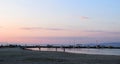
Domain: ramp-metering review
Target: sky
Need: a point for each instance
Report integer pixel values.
(42, 21)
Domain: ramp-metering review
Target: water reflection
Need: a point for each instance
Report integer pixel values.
(83, 50)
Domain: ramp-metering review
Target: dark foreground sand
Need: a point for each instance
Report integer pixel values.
(19, 56)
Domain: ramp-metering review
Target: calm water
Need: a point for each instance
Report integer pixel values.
(83, 50)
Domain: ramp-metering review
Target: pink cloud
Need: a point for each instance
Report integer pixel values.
(84, 17)
(55, 29)
(94, 31)
(105, 32)
(40, 28)
(31, 28)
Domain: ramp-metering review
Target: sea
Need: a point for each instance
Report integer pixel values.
(83, 50)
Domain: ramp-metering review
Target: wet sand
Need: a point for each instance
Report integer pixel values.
(19, 56)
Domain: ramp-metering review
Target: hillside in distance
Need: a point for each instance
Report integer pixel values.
(114, 44)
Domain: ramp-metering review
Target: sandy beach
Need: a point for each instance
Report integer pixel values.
(19, 56)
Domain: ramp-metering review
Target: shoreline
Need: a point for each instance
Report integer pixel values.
(73, 50)
(19, 56)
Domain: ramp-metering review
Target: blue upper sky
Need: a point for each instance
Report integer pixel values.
(60, 18)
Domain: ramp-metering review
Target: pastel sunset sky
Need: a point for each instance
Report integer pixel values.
(59, 20)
